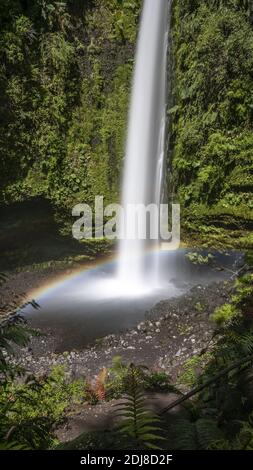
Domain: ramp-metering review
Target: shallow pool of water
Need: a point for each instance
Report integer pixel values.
(91, 304)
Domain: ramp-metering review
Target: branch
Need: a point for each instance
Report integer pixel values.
(235, 273)
(198, 389)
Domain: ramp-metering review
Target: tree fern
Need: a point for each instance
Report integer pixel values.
(138, 422)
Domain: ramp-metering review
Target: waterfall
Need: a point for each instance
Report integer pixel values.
(145, 146)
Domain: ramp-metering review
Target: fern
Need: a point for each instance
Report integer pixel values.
(201, 434)
(13, 329)
(100, 390)
(3, 278)
(138, 423)
(224, 315)
(34, 434)
(96, 391)
(12, 445)
(116, 378)
(242, 441)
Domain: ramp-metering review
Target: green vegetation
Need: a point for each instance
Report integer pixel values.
(220, 412)
(241, 300)
(193, 368)
(212, 120)
(30, 407)
(31, 411)
(64, 81)
(65, 75)
(197, 258)
(138, 423)
(224, 314)
(217, 408)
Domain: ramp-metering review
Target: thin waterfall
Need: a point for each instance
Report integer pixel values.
(145, 147)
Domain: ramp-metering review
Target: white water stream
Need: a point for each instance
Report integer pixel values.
(145, 148)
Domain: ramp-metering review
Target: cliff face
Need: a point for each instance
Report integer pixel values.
(64, 83)
(65, 77)
(212, 119)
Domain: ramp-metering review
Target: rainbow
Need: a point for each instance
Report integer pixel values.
(48, 287)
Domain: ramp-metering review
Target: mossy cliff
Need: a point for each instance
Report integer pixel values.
(212, 119)
(65, 78)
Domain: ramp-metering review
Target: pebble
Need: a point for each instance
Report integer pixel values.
(174, 352)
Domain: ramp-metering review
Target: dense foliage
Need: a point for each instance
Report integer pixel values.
(65, 75)
(212, 117)
(64, 80)
(221, 410)
(218, 407)
(217, 411)
(30, 411)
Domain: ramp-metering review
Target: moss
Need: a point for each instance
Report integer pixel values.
(241, 302)
(224, 314)
(192, 368)
(64, 93)
(212, 120)
(64, 96)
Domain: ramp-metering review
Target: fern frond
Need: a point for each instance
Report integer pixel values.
(100, 390)
(13, 446)
(201, 434)
(138, 422)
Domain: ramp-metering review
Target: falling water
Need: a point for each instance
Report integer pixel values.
(104, 303)
(145, 149)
